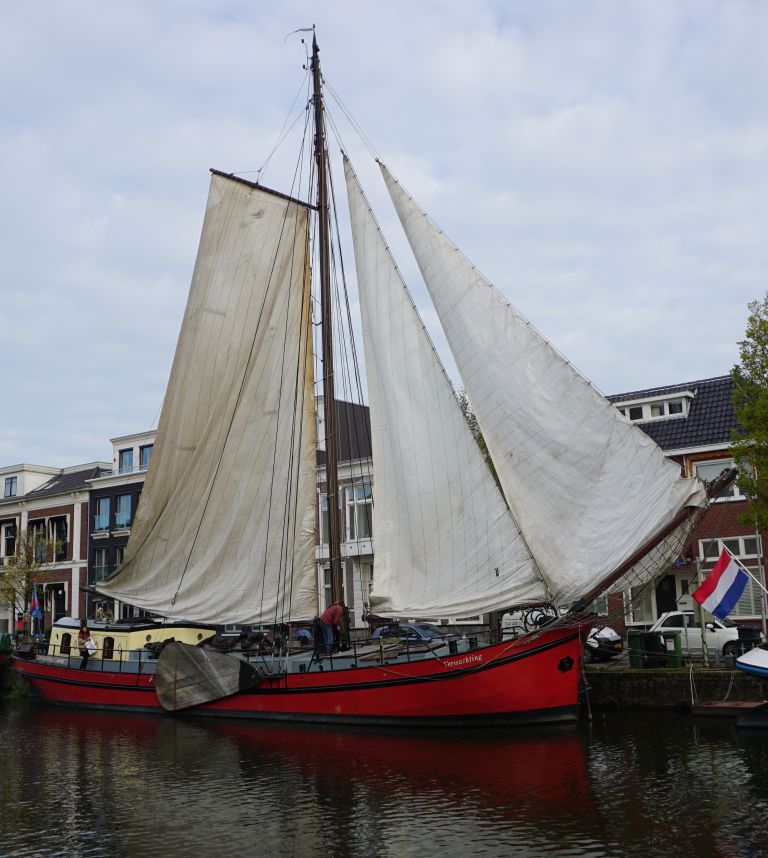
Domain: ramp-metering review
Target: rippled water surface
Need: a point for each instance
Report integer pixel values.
(75, 783)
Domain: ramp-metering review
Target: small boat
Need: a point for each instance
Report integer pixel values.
(754, 661)
(578, 499)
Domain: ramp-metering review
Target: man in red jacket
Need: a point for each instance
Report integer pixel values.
(330, 619)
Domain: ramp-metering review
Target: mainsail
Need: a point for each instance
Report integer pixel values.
(225, 528)
(446, 543)
(587, 488)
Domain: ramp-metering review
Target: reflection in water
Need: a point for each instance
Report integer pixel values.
(79, 783)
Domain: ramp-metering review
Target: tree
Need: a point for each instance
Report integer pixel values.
(18, 575)
(750, 401)
(474, 428)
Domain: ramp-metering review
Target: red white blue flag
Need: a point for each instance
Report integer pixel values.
(36, 612)
(723, 588)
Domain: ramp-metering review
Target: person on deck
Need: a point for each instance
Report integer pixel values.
(82, 644)
(330, 621)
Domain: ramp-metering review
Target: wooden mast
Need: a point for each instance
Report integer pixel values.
(329, 399)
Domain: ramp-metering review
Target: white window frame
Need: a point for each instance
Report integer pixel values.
(118, 524)
(127, 452)
(97, 503)
(748, 549)
(641, 608)
(39, 528)
(324, 530)
(357, 497)
(51, 528)
(102, 568)
(327, 587)
(145, 448)
(718, 466)
(4, 536)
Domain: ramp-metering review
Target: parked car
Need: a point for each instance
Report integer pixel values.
(720, 635)
(603, 643)
(414, 632)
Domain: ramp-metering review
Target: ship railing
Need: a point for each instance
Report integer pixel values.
(121, 661)
(372, 651)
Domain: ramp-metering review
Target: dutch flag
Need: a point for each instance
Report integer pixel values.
(723, 588)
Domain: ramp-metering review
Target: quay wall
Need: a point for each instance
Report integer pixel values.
(670, 688)
(6, 673)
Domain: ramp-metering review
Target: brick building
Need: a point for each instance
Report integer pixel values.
(51, 504)
(693, 423)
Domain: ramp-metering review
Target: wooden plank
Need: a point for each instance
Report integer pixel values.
(190, 675)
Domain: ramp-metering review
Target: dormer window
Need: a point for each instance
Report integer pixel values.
(656, 408)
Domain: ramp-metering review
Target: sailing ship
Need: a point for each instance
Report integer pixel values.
(579, 499)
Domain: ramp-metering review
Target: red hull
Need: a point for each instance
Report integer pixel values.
(521, 681)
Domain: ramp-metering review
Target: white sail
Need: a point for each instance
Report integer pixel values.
(225, 528)
(587, 488)
(445, 541)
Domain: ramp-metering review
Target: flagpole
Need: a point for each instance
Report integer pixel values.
(699, 614)
(761, 571)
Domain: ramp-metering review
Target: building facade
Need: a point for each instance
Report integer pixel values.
(114, 497)
(692, 423)
(50, 504)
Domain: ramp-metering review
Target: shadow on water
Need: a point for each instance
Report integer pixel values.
(82, 783)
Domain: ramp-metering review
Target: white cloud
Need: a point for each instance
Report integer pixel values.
(602, 163)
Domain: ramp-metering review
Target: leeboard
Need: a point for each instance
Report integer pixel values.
(190, 675)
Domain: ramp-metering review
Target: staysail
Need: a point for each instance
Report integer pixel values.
(446, 543)
(225, 528)
(587, 488)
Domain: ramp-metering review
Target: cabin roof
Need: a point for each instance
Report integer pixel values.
(709, 421)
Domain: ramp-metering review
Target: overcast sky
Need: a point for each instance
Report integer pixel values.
(604, 164)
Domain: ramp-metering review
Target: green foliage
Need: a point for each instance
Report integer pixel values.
(20, 571)
(750, 400)
(474, 427)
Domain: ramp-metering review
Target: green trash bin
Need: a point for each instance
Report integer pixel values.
(635, 648)
(673, 648)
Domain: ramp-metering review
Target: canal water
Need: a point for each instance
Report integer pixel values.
(76, 783)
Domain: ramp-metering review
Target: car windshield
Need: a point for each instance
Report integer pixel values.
(428, 628)
(692, 622)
